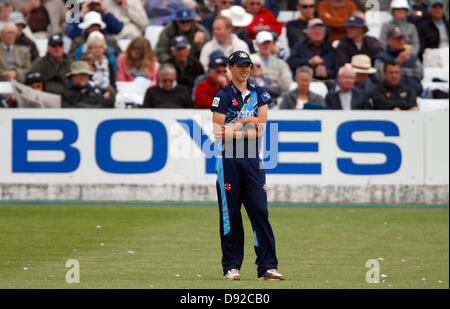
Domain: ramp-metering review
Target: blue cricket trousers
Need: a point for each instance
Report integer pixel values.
(242, 181)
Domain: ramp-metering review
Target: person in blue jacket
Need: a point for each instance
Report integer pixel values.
(113, 25)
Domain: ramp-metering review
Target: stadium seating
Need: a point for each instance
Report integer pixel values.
(430, 73)
(285, 16)
(130, 93)
(123, 44)
(317, 87)
(41, 45)
(432, 105)
(6, 88)
(152, 34)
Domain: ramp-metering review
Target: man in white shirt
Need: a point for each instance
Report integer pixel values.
(223, 40)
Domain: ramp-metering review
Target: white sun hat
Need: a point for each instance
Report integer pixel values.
(239, 17)
(92, 18)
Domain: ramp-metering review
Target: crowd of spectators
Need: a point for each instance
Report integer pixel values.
(328, 43)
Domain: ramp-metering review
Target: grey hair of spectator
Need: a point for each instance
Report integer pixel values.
(9, 24)
(244, 2)
(346, 67)
(303, 69)
(166, 68)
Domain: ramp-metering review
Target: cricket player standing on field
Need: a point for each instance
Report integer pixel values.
(239, 119)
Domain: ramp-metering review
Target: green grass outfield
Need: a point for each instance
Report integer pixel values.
(147, 246)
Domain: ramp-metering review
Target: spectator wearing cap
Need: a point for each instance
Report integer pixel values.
(258, 77)
(139, 60)
(392, 94)
(275, 68)
(158, 10)
(92, 22)
(397, 50)
(335, 13)
(316, 52)
(215, 54)
(220, 5)
(22, 38)
(79, 93)
(347, 97)
(223, 39)
(15, 60)
(302, 97)
(433, 31)
(399, 11)
(167, 94)
(182, 24)
(263, 19)
(55, 9)
(356, 42)
(240, 19)
(188, 67)
(112, 26)
(217, 79)
(132, 14)
(105, 62)
(54, 66)
(34, 80)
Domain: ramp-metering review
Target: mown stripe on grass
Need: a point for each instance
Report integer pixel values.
(144, 203)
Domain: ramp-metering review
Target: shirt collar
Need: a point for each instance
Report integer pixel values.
(250, 87)
(5, 46)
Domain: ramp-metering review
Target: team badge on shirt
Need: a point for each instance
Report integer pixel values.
(266, 97)
(216, 102)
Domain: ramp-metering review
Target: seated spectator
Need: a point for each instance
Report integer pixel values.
(361, 64)
(433, 31)
(258, 78)
(34, 80)
(158, 10)
(419, 13)
(215, 54)
(298, 98)
(56, 14)
(167, 94)
(315, 52)
(399, 11)
(79, 93)
(334, 14)
(22, 39)
(263, 19)
(206, 8)
(105, 63)
(183, 24)
(397, 50)
(356, 42)
(217, 79)
(391, 94)
(223, 40)
(112, 24)
(15, 60)
(188, 67)
(275, 68)
(6, 8)
(92, 22)
(220, 5)
(132, 14)
(139, 60)
(271, 5)
(54, 66)
(239, 20)
(348, 97)
(295, 28)
(38, 18)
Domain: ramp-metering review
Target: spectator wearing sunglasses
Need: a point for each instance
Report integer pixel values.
(295, 28)
(182, 24)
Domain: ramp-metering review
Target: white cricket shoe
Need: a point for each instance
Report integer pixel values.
(272, 274)
(232, 274)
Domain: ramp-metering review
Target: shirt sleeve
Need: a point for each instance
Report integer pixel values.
(263, 97)
(220, 103)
